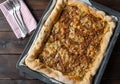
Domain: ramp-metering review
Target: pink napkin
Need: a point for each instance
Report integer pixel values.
(28, 18)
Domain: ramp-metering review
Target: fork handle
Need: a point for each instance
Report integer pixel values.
(21, 21)
(20, 26)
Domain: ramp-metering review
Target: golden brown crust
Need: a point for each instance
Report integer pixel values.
(44, 32)
(35, 64)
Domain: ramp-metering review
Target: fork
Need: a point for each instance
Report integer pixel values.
(11, 12)
(17, 6)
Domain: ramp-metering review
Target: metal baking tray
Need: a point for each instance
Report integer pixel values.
(97, 78)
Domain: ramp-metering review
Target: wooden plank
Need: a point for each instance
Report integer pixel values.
(37, 4)
(2, 1)
(4, 27)
(38, 14)
(8, 68)
(20, 82)
(9, 44)
(110, 81)
(37, 7)
(110, 3)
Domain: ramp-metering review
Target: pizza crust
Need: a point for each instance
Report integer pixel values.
(34, 63)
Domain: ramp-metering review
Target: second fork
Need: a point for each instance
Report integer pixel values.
(17, 6)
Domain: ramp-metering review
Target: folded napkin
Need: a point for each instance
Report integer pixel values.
(28, 18)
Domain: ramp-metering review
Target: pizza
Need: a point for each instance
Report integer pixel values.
(71, 43)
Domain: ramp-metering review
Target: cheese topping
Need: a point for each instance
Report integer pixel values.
(74, 42)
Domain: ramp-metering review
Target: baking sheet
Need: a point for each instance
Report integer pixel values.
(98, 76)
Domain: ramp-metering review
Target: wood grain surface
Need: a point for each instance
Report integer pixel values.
(11, 48)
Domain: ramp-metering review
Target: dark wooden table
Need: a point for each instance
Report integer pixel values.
(11, 49)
